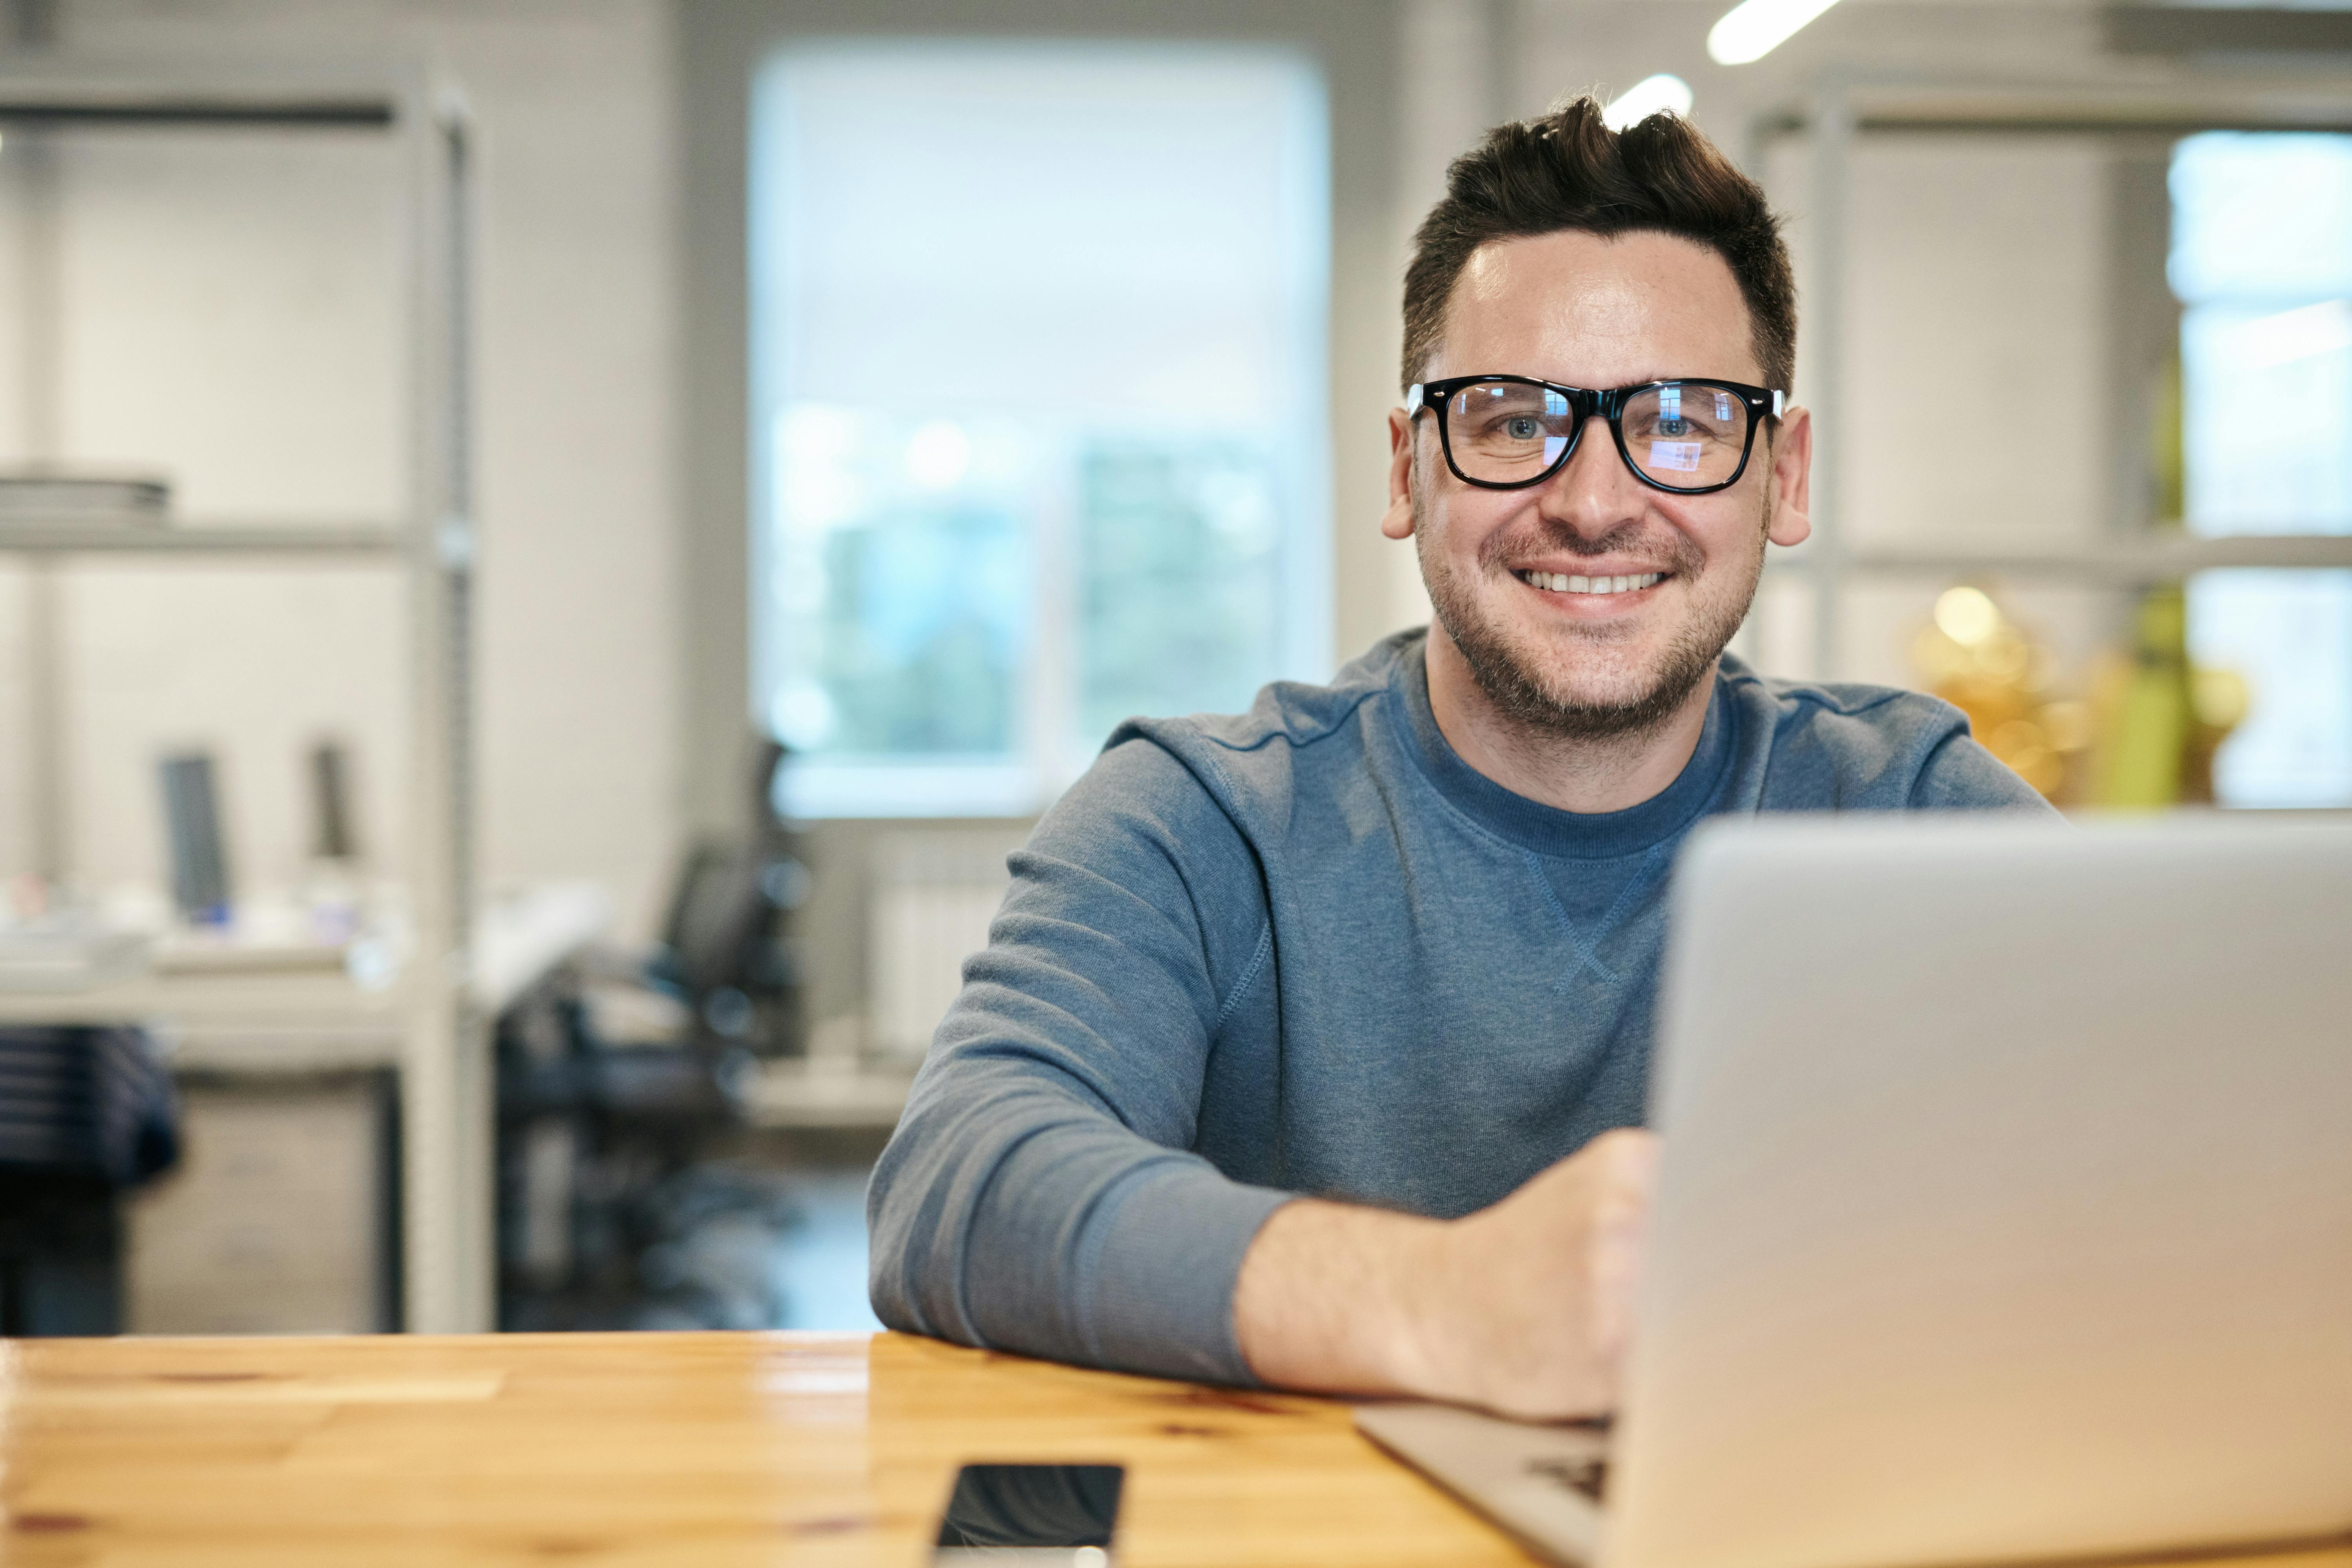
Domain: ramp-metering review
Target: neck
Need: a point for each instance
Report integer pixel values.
(1571, 773)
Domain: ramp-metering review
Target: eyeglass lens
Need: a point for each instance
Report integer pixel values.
(1681, 435)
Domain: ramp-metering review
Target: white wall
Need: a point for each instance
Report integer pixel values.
(231, 313)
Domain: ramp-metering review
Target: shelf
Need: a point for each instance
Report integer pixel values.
(436, 1026)
(2119, 565)
(188, 110)
(68, 535)
(2167, 107)
(67, 93)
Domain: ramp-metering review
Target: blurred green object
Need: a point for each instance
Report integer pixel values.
(2149, 738)
(2167, 446)
(2160, 718)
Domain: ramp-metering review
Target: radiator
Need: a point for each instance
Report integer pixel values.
(933, 897)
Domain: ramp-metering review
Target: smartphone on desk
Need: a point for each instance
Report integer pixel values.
(1030, 1515)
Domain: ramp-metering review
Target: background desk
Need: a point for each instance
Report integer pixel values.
(661, 1448)
(282, 1215)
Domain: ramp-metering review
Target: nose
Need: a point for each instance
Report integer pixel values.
(1594, 492)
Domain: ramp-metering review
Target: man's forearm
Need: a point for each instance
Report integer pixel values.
(1038, 1225)
(1335, 1299)
(1525, 1307)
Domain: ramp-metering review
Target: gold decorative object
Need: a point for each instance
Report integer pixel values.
(1974, 658)
(2144, 735)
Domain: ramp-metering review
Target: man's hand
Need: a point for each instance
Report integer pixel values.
(1525, 1308)
(1533, 1311)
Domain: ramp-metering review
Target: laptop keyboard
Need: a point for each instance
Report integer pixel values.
(1590, 1476)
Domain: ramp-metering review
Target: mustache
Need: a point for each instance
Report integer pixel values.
(1661, 550)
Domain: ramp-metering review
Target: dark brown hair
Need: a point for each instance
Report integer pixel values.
(1569, 170)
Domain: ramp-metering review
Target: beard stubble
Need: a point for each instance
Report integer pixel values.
(1526, 693)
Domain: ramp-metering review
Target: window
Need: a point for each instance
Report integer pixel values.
(1039, 401)
(2261, 261)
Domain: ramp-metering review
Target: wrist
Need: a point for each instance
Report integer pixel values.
(1423, 1346)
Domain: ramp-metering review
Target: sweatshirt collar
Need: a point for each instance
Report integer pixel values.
(1545, 830)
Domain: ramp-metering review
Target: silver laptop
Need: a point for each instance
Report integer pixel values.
(2005, 1212)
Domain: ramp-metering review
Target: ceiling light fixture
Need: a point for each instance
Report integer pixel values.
(1754, 29)
(1645, 98)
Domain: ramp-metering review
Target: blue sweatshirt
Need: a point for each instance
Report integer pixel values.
(1308, 950)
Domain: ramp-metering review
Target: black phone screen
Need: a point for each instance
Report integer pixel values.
(1038, 1506)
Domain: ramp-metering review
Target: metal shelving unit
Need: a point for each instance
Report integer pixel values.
(441, 1051)
(1842, 111)
(39, 535)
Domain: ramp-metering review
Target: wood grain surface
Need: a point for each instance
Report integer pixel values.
(655, 1448)
(663, 1448)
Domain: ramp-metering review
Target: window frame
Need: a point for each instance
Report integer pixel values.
(1051, 746)
(723, 43)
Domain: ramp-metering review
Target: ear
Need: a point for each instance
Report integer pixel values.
(1397, 522)
(1792, 479)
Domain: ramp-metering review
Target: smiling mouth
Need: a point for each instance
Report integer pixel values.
(1562, 582)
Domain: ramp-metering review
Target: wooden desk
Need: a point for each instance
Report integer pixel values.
(662, 1448)
(655, 1448)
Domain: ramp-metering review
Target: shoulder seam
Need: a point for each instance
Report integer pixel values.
(1811, 691)
(1329, 728)
(1249, 976)
(1919, 775)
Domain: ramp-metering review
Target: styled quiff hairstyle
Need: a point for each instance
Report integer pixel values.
(1569, 170)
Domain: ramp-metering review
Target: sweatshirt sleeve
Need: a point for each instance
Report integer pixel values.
(1040, 1193)
(1959, 774)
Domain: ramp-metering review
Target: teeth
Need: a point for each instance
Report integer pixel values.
(1560, 583)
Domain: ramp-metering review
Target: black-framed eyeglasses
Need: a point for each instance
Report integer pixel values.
(1508, 432)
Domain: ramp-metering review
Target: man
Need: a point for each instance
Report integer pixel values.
(1310, 1046)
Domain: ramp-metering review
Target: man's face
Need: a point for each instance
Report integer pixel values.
(1581, 310)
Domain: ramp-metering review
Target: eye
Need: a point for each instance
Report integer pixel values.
(1673, 424)
(1523, 427)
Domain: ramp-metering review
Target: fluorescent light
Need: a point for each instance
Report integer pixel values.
(1645, 98)
(1754, 29)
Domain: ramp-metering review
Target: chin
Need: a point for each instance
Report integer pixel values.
(1588, 690)
(1602, 686)
(1583, 672)
(1596, 683)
